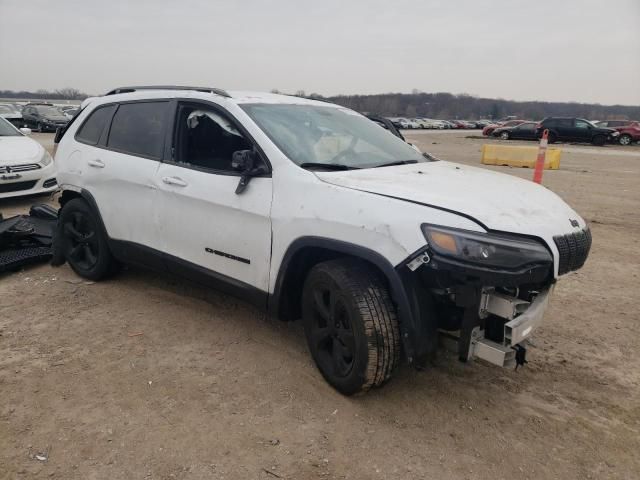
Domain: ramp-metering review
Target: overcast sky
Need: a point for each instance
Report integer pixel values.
(561, 50)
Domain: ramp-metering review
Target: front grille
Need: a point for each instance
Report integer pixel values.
(16, 186)
(19, 168)
(573, 249)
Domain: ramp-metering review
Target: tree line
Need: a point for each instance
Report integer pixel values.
(464, 106)
(59, 94)
(420, 104)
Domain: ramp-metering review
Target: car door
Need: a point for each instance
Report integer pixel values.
(582, 130)
(120, 173)
(207, 229)
(27, 116)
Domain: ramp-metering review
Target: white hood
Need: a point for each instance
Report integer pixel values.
(498, 201)
(18, 150)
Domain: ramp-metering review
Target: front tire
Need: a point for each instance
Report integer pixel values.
(351, 325)
(83, 242)
(599, 140)
(504, 135)
(625, 139)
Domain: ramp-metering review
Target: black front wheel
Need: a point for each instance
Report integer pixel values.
(350, 324)
(599, 140)
(83, 243)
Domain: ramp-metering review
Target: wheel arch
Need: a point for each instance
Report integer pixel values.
(305, 252)
(71, 193)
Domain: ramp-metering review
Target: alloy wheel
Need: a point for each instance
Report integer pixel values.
(82, 241)
(332, 331)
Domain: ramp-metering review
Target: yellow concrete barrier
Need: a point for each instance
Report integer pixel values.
(519, 156)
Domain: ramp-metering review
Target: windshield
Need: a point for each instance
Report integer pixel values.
(49, 111)
(7, 109)
(319, 135)
(8, 130)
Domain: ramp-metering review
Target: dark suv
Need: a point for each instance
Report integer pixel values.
(44, 117)
(571, 129)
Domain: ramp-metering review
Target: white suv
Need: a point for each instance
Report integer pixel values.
(312, 211)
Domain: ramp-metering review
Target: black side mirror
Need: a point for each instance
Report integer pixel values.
(244, 161)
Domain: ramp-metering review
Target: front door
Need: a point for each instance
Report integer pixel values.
(204, 225)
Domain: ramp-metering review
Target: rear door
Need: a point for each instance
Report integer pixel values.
(120, 169)
(206, 228)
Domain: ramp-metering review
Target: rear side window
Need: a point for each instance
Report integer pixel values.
(92, 128)
(138, 129)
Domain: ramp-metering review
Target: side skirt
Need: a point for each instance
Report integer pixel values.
(146, 257)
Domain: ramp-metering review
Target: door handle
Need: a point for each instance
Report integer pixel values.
(176, 181)
(96, 163)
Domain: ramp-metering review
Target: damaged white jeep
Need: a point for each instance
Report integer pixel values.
(312, 211)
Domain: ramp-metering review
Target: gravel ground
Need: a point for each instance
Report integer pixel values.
(144, 376)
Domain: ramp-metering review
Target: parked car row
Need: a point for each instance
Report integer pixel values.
(41, 116)
(429, 123)
(568, 129)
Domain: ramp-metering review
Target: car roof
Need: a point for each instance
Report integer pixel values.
(233, 96)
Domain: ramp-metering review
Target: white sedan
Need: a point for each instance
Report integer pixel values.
(26, 168)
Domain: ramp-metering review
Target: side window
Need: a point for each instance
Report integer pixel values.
(527, 126)
(92, 128)
(582, 124)
(138, 128)
(207, 139)
(564, 122)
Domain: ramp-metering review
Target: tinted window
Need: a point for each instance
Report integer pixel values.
(563, 122)
(207, 139)
(92, 128)
(527, 126)
(582, 124)
(138, 128)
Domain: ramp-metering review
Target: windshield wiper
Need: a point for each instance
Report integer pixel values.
(328, 166)
(399, 162)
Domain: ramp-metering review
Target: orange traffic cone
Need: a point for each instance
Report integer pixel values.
(542, 153)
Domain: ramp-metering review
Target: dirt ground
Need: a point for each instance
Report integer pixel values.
(144, 376)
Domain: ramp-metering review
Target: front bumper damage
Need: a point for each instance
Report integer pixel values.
(478, 313)
(521, 319)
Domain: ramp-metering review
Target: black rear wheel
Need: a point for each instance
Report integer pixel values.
(350, 324)
(84, 244)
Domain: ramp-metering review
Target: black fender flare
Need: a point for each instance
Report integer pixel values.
(407, 317)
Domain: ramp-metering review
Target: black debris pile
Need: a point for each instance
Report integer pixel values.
(27, 239)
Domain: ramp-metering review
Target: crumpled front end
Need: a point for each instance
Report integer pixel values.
(483, 307)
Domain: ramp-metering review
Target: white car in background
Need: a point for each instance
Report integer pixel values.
(26, 168)
(10, 112)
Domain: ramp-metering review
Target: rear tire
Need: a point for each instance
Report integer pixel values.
(83, 242)
(599, 140)
(504, 135)
(625, 139)
(351, 325)
(552, 138)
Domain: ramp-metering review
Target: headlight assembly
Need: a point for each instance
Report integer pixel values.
(46, 159)
(485, 249)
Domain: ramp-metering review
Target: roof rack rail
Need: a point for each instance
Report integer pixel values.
(216, 91)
